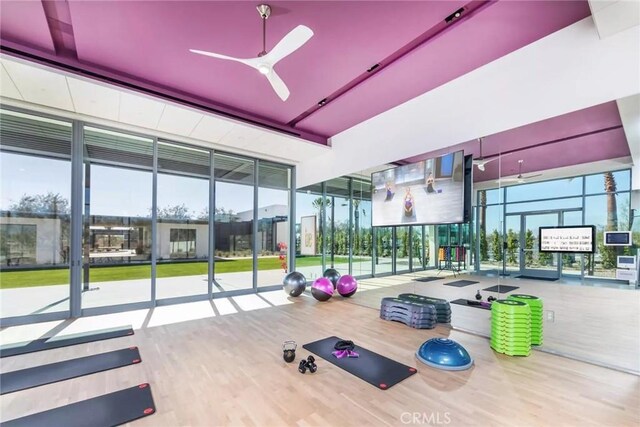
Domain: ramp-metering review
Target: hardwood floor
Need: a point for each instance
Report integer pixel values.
(591, 323)
(228, 370)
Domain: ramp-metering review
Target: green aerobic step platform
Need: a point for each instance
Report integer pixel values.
(537, 310)
(511, 327)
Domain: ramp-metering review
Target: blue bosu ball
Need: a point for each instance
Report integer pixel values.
(443, 353)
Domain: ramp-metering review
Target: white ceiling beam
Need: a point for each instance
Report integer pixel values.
(630, 115)
(566, 71)
(614, 16)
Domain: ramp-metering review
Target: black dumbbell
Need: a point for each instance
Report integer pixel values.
(308, 363)
(478, 295)
(311, 364)
(491, 299)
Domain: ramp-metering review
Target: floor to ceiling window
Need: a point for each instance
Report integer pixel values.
(384, 250)
(182, 233)
(402, 248)
(310, 225)
(274, 183)
(602, 200)
(337, 191)
(417, 247)
(35, 197)
(234, 227)
(117, 238)
(362, 232)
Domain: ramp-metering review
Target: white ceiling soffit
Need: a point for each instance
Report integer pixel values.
(566, 71)
(35, 87)
(612, 16)
(630, 115)
(563, 172)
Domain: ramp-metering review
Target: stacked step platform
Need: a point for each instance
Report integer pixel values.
(511, 327)
(414, 314)
(443, 308)
(416, 311)
(535, 304)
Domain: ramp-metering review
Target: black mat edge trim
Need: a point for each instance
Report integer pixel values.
(36, 376)
(111, 409)
(49, 343)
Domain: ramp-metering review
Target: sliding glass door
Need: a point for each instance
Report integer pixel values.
(35, 202)
(182, 233)
(117, 236)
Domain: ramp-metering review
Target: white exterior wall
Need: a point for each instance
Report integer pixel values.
(164, 242)
(48, 234)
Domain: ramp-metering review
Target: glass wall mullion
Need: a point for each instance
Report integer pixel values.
(350, 228)
(410, 248)
(154, 222)
(254, 231)
(75, 250)
(212, 228)
(323, 222)
(394, 246)
(292, 220)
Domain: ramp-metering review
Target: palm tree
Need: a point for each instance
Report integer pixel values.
(612, 205)
(482, 215)
(320, 204)
(609, 253)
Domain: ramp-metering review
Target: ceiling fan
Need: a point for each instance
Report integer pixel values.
(520, 178)
(481, 161)
(265, 61)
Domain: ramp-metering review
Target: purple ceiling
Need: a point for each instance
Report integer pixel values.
(583, 136)
(147, 42)
(26, 22)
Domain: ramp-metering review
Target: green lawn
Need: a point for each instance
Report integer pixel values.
(21, 279)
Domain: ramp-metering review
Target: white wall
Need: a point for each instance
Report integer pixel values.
(48, 234)
(567, 71)
(164, 242)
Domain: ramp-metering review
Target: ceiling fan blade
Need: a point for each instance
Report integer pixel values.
(250, 62)
(278, 85)
(289, 44)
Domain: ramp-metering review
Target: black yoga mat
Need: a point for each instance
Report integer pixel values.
(64, 341)
(461, 283)
(60, 371)
(371, 367)
(428, 279)
(548, 279)
(503, 289)
(466, 304)
(107, 410)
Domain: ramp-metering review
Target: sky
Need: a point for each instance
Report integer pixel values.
(122, 192)
(125, 192)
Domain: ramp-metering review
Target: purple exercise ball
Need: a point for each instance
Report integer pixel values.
(322, 289)
(347, 285)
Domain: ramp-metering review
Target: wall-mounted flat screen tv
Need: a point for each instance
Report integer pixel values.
(574, 239)
(427, 192)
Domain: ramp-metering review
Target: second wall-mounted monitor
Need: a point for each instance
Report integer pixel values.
(426, 192)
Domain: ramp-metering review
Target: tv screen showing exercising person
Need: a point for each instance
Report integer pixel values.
(427, 192)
